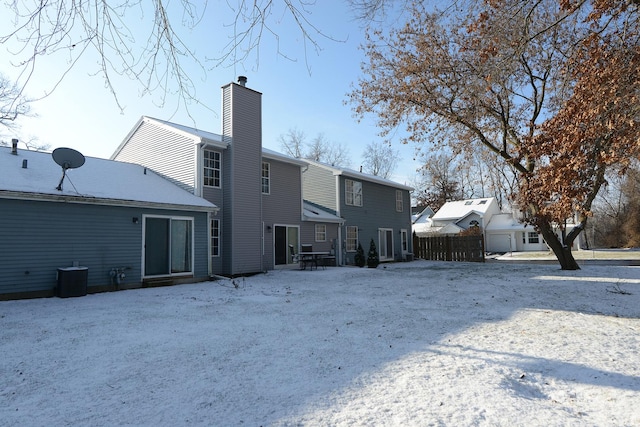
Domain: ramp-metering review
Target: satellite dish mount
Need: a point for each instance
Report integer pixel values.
(67, 158)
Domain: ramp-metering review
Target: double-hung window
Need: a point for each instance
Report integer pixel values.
(215, 237)
(321, 232)
(266, 178)
(211, 168)
(352, 238)
(353, 192)
(399, 202)
(531, 237)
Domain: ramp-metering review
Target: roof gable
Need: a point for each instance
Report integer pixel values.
(350, 173)
(207, 139)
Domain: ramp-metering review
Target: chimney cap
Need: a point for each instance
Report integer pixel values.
(242, 80)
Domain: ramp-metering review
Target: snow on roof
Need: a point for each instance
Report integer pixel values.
(97, 181)
(205, 137)
(199, 133)
(506, 221)
(361, 175)
(270, 154)
(461, 208)
(422, 216)
(425, 228)
(313, 212)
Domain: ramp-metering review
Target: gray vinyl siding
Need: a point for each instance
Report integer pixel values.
(168, 153)
(283, 206)
(378, 210)
(308, 236)
(216, 194)
(39, 237)
(243, 195)
(319, 187)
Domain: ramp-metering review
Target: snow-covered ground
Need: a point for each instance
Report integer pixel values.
(408, 344)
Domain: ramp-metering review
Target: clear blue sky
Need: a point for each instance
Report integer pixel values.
(306, 92)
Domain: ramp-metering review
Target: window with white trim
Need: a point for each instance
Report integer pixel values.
(211, 172)
(405, 240)
(399, 201)
(215, 237)
(530, 237)
(321, 232)
(266, 178)
(352, 238)
(352, 192)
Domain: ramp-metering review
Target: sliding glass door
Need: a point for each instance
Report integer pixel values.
(168, 246)
(385, 244)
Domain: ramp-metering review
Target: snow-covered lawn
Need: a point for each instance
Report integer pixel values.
(410, 344)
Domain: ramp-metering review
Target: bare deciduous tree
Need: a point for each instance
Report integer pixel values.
(380, 159)
(12, 103)
(437, 182)
(511, 77)
(295, 144)
(331, 153)
(147, 42)
(616, 211)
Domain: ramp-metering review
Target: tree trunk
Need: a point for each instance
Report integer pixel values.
(561, 250)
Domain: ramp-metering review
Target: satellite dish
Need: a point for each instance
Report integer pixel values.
(67, 158)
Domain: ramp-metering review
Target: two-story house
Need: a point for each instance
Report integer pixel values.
(258, 191)
(372, 208)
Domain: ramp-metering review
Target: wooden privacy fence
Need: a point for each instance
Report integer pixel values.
(449, 248)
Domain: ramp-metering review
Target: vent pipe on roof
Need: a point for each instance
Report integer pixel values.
(14, 146)
(242, 80)
(24, 163)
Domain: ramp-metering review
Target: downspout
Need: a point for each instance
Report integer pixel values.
(340, 255)
(209, 263)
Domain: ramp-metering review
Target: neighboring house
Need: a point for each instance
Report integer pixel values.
(506, 232)
(421, 221)
(258, 191)
(110, 218)
(372, 208)
(503, 232)
(457, 216)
